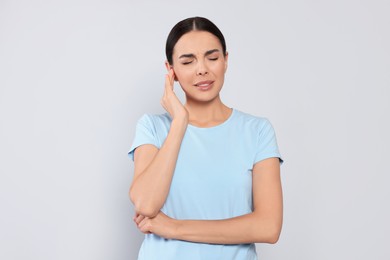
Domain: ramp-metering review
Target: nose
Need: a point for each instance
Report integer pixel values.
(201, 69)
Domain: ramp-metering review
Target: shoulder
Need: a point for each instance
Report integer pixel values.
(155, 120)
(251, 121)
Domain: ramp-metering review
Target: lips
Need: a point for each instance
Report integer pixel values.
(204, 85)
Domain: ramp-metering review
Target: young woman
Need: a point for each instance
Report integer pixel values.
(206, 177)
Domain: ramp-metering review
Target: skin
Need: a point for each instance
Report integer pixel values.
(198, 57)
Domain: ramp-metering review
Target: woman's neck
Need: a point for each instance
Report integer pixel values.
(207, 114)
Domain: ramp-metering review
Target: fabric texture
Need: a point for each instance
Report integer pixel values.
(212, 179)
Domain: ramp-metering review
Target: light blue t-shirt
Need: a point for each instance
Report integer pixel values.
(212, 180)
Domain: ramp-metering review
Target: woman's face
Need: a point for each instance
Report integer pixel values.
(199, 65)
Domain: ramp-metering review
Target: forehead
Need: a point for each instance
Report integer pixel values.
(196, 42)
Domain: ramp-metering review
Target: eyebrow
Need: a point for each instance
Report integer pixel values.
(192, 55)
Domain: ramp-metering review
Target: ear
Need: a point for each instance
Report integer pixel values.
(168, 66)
(226, 60)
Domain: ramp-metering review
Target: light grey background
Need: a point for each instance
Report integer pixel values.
(76, 75)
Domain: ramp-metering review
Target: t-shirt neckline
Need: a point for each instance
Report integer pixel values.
(216, 126)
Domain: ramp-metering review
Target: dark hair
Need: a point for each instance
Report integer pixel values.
(188, 25)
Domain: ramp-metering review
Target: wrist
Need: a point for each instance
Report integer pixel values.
(175, 229)
(180, 123)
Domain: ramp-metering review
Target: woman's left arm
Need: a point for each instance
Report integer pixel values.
(263, 225)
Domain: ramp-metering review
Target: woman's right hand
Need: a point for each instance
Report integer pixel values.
(170, 102)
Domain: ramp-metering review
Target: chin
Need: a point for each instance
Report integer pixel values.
(201, 98)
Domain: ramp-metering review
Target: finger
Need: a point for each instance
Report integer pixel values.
(172, 76)
(168, 85)
(169, 81)
(139, 219)
(143, 228)
(142, 222)
(144, 225)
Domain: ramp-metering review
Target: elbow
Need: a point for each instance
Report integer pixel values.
(269, 235)
(141, 207)
(273, 238)
(146, 211)
(274, 233)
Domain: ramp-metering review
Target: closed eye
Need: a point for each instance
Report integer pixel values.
(187, 62)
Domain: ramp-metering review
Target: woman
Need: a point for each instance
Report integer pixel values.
(206, 177)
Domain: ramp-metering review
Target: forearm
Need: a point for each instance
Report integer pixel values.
(249, 228)
(149, 190)
(263, 225)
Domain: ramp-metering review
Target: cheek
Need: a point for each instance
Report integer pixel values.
(218, 66)
(219, 69)
(183, 75)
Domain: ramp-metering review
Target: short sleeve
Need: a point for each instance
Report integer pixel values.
(144, 134)
(267, 146)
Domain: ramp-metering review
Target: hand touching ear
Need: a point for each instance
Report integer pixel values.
(169, 68)
(170, 102)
